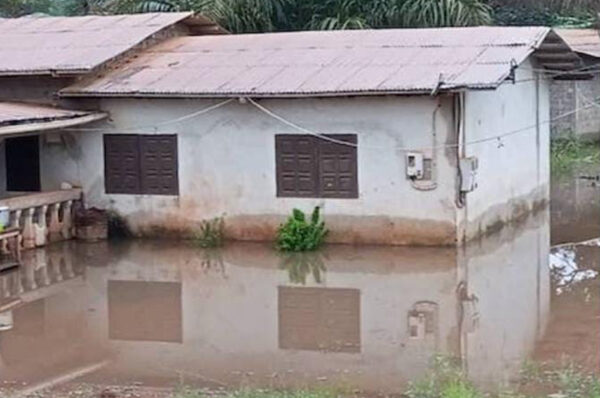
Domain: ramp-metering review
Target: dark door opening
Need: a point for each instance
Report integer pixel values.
(23, 164)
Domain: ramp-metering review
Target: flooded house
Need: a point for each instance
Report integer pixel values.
(405, 136)
(575, 98)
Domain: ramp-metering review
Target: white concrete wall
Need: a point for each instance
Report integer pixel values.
(227, 166)
(514, 172)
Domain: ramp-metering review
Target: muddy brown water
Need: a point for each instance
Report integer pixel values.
(370, 318)
(575, 205)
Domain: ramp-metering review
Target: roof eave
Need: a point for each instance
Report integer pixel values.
(32, 126)
(365, 93)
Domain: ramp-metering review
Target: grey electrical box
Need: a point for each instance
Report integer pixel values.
(468, 171)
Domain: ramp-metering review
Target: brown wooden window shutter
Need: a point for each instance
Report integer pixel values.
(159, 164)
(338, 167)
(308, 166)
(297, 172)
(141, 164)
(122, 164)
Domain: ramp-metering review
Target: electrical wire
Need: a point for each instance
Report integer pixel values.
(165, 123)
(405, 149)
(270, 113)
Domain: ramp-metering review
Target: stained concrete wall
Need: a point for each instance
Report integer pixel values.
(514, 171)
(227, 167)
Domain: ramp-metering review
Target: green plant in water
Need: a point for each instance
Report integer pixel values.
(211, 233)
(298, 234)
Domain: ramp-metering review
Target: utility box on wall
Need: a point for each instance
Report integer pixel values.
(468, 171)
(414, 165)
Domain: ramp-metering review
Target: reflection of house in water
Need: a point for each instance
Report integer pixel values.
(46, 319)
(319, 319)
(144, 311)
(375, 318)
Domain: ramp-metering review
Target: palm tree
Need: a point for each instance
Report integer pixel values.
(278, 15)
(268, 15)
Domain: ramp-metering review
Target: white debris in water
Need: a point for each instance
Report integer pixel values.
(566, 270)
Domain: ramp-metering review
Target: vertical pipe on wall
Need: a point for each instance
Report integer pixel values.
(537, 127)
(459, 115)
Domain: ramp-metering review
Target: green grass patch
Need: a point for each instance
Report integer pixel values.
(262, 393)
(446, 379)
(571, 154)
(211, 233)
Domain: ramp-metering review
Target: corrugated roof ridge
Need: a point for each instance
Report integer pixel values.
(365, 69)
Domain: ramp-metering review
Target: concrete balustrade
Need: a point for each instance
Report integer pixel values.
(43, 217)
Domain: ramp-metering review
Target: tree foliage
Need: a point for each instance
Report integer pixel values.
(241, 16)
(285, 15)
(562, 13)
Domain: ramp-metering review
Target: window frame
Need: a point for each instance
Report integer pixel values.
(142, 187)
(320, 147)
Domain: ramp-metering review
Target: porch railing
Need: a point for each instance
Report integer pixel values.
(43, 217)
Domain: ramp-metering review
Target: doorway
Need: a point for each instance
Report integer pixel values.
(23, 164)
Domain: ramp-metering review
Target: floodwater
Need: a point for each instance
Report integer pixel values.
(366, 318)
(575, 206)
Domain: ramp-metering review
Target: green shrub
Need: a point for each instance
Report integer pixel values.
(211, 233)
(298, 234)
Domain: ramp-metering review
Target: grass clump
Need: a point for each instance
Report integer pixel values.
(445, 380)
(572, 382)
(260, 393)
(566, 380)
(299, 234)
(569, 154)
(211, 233)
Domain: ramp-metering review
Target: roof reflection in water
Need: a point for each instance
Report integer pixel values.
(370, 317)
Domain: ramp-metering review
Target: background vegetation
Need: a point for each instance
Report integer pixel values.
(285, 15)
(573, 154)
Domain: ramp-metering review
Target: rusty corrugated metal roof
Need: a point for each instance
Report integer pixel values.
(18, 112)
(21, 117)
(322, 63)
(584, 41)
(72, 45)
